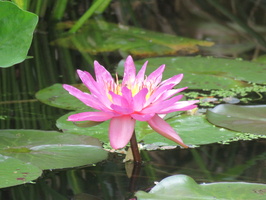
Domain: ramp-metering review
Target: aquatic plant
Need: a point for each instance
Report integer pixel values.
(137, 97)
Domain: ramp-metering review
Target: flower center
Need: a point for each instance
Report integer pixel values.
(134, 87)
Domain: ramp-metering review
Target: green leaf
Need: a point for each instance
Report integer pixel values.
(246, 119)
(16, 32)
(50, 149)
(261, 59)
(16, 172)
(185, 188)
(206, 72)
(100, 36)
(57, 96)
(99, 131)
(194, 130)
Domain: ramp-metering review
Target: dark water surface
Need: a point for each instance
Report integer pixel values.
(239, 161)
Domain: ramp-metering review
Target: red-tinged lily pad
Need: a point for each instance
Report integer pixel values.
(16, 33)
(206, 72)
(246, 119)
(15, 172)
(100, 36)
(51, 149)
(185, 188)
(194, 130)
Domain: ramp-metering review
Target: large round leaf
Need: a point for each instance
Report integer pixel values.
(16, 32)
(185, 188)
(247, 119)
(206, 72)
(194, 130)
(57, 96)
(50, 149)
(16, 172)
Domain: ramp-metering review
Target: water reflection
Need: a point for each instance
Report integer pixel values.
(239, 161)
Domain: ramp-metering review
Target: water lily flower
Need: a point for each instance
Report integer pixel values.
(137, 97)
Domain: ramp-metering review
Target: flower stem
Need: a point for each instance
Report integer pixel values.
(134, 148)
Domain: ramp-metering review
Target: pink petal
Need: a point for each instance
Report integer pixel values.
(86, 98)
(120, 131)
(139, 99)
(88, 81)
(158, 92)
(141, 73)
(157, 107)
(142, 117)
(168, 94)
(91, 116)
(173, 80)
(127, 94)
(163, 128)
(180, 106)
(122, 110)
(129, 72)
(156, 76)
(102, 75)
(95, 88)
(116, 99)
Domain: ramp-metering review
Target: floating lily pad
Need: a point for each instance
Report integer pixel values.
(206, 72)
(57, 96)
(16, 172)
(99, 131)
(17, 28)
(100, 36)
(246, 119)
(185, 188)
(194, 130)
(50, 149)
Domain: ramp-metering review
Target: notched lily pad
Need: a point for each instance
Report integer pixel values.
(185, 188)
(15, 172)
(51, 149)
(246, 119)
(16, 33)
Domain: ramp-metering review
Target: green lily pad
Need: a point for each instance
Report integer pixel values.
(16, 172)
(57, 96)
(194, 130)
(51, 149)
(185, 188)
(99, 131)
(261, 59)
(246, 119)
(206, 72)
(100, 36)
(16, 32)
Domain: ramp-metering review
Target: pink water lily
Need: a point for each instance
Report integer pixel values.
(137, 97)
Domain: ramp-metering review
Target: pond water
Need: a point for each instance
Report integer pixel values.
(110, 179)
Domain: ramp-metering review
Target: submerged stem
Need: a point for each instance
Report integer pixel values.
(134, 148)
